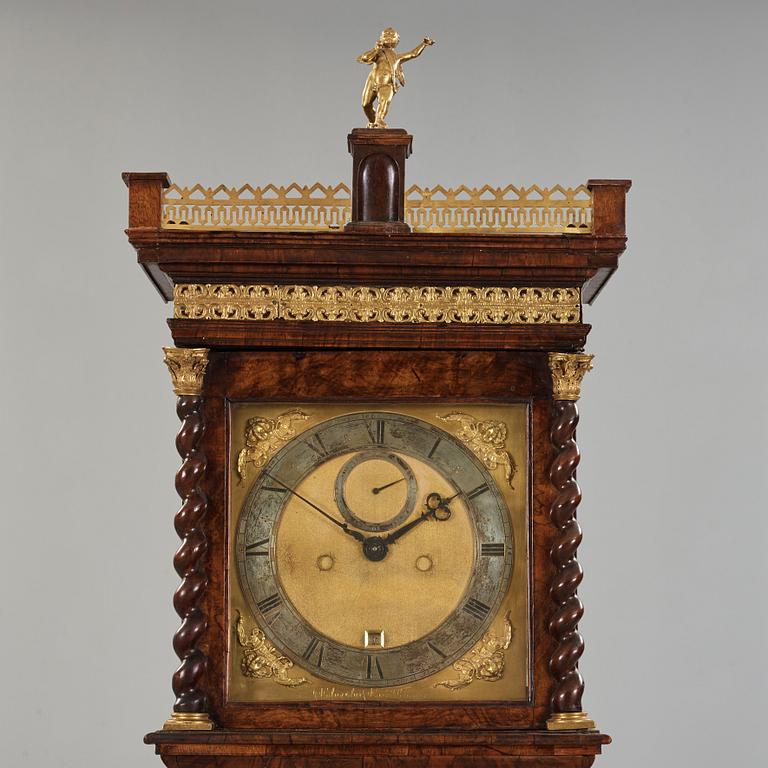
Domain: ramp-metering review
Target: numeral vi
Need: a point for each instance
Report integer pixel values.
(373, 668)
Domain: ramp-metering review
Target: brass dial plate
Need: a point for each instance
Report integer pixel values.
(319, 599)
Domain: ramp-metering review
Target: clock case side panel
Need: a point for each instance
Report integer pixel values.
(386, 376)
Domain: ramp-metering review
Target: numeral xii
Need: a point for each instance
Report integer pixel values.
(376, 431)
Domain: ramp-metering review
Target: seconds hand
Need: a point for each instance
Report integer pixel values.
(344, 527)
(388, 485)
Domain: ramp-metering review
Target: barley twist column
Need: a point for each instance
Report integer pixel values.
(190, 710)
(567, 371)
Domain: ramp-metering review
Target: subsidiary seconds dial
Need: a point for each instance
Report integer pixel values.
(374, 549)
(362, 482)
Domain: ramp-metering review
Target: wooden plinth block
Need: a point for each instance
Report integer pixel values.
(378, 180)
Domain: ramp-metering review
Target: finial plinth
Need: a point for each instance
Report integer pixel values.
(378, 179)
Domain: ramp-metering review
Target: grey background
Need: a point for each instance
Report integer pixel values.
(669, 94)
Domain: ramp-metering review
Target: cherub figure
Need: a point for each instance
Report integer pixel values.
(386, 75)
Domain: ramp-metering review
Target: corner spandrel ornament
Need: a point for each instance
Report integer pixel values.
(386, 75)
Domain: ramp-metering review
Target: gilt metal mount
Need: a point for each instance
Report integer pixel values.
(386, 75)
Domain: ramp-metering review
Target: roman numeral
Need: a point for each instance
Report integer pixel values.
(373, 671)
(476, 608)
(436, 650)
(377, 431)
(254, 550)
(433, 449)
(314, 644)
(274, 490)
(492, 549)
(269, 603)
(477, 491)
(316, 444)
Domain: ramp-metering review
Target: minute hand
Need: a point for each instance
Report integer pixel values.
(344, 527)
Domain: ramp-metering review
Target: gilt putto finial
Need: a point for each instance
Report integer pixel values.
(386, 74)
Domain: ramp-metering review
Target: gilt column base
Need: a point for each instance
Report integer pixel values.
(570, 721)
(189, 721)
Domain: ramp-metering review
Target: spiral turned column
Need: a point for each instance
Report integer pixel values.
(567, 371)
(190, 710)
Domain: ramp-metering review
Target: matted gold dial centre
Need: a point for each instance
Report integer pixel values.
(408, 593)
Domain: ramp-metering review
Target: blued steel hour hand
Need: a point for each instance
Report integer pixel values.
(436, 508)
(375, 548)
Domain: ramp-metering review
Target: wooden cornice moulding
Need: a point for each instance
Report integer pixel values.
(584, 256)
(172, 257)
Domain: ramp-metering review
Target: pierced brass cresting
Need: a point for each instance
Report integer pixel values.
(187, 369)
(264, 436)
(568, 369)
(365, 304)
(502, 210)
(261, 660)
(485, 662)
(486, 439)
(271, 207)
(486, 209)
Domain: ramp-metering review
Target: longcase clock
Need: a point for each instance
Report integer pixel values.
(377, 390)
